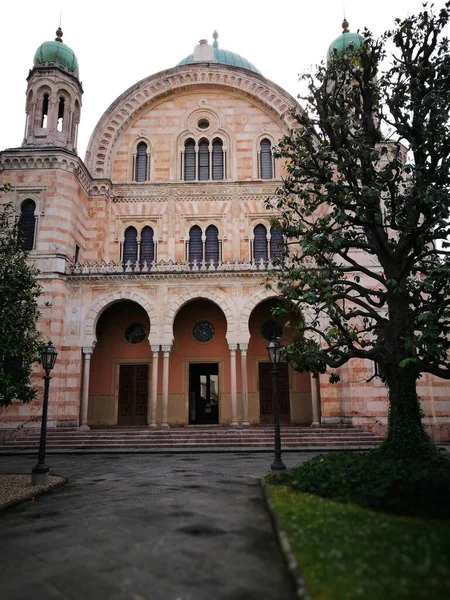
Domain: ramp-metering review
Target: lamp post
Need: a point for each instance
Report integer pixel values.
(274, 351)
(39, 474)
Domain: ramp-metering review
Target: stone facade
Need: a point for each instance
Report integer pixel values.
(83, 213)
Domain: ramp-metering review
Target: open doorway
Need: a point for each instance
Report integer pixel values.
(204, 393)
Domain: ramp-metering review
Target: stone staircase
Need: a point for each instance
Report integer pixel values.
(189, 439)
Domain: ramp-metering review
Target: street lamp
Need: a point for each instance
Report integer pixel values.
(39, 474)
(274, 351)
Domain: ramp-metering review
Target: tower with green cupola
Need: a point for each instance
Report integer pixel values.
(348, 40)
(54, 91)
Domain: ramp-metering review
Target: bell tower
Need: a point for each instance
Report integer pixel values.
(54, 91)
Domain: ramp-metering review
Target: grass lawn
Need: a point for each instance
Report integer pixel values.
(345, 551)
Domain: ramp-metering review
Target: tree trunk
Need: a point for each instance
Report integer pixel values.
(406, 435)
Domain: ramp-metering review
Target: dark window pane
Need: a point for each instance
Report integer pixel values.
(195, 244)
(189, 161)
(217, 159)
(141, 162)
(276, 240)
(203, 161)
(147, 245)
(260, 242)
(27, 224)
(44, 114)
(212, 244)
(266, 164)
(130, 245)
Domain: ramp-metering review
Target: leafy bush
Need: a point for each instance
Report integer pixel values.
(415, 487)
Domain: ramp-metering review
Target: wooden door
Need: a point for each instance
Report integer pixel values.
(266, 393)
(133, 395)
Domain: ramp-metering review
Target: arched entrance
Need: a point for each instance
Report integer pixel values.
(198, 364)
(119, 378)
(294, 388)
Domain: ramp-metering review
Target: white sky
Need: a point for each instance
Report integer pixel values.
(120, 43)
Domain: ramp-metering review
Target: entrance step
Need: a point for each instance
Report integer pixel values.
(189, 439)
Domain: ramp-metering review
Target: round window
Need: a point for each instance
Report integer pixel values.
(270, 330)
(204, 331)
(203, 124)
(135, 333)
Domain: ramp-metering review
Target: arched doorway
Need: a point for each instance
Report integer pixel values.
(198, 364)
(294, 389)
(120, 374)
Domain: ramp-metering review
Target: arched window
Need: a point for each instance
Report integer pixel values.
(141, 166)
(130, 246)
(212, 244)
(147, 245)
(266, 160)
(217, 159)
(189, 160)
(203, 160)
(27, 224)
(260, 243)
(276, 241)
(60, 123)
(44, 114)
(195, 244)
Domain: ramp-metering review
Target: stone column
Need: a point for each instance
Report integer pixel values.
(87, 353)
(155, 350)
(233, 348)
(32, 126)
(315, 400)
(244, 391)
(165, 394)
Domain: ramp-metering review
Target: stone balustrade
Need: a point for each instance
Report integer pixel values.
(170, 266)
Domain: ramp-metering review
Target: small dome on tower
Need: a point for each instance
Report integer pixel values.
(344, 41)
(56, 51)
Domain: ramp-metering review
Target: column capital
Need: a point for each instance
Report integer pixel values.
(87, 351)
(232, 347)
(155, 348)
(243, 347)
(166, 348)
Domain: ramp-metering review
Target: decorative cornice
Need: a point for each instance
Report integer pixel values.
(140, 96)
(20, 159)
(224, 191)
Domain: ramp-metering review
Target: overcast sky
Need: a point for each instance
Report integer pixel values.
(120, 43)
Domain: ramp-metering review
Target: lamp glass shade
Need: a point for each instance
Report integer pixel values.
(48, 356)
(274, 350)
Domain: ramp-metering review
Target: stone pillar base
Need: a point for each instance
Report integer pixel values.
(153, 425)
(84, 428)
(234, 424)
(245, 424)
(315, 425)
(165, 425)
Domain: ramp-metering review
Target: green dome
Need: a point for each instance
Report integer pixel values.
(346, 39)
(225, 57)
(56, 50)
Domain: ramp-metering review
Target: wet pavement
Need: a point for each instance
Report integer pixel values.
(153, 527)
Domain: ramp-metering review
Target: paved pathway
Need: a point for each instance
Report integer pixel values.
(153, 527)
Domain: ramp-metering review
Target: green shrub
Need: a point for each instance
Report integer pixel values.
(419, 487)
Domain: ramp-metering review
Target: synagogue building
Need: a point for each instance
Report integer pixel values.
(154, 251)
